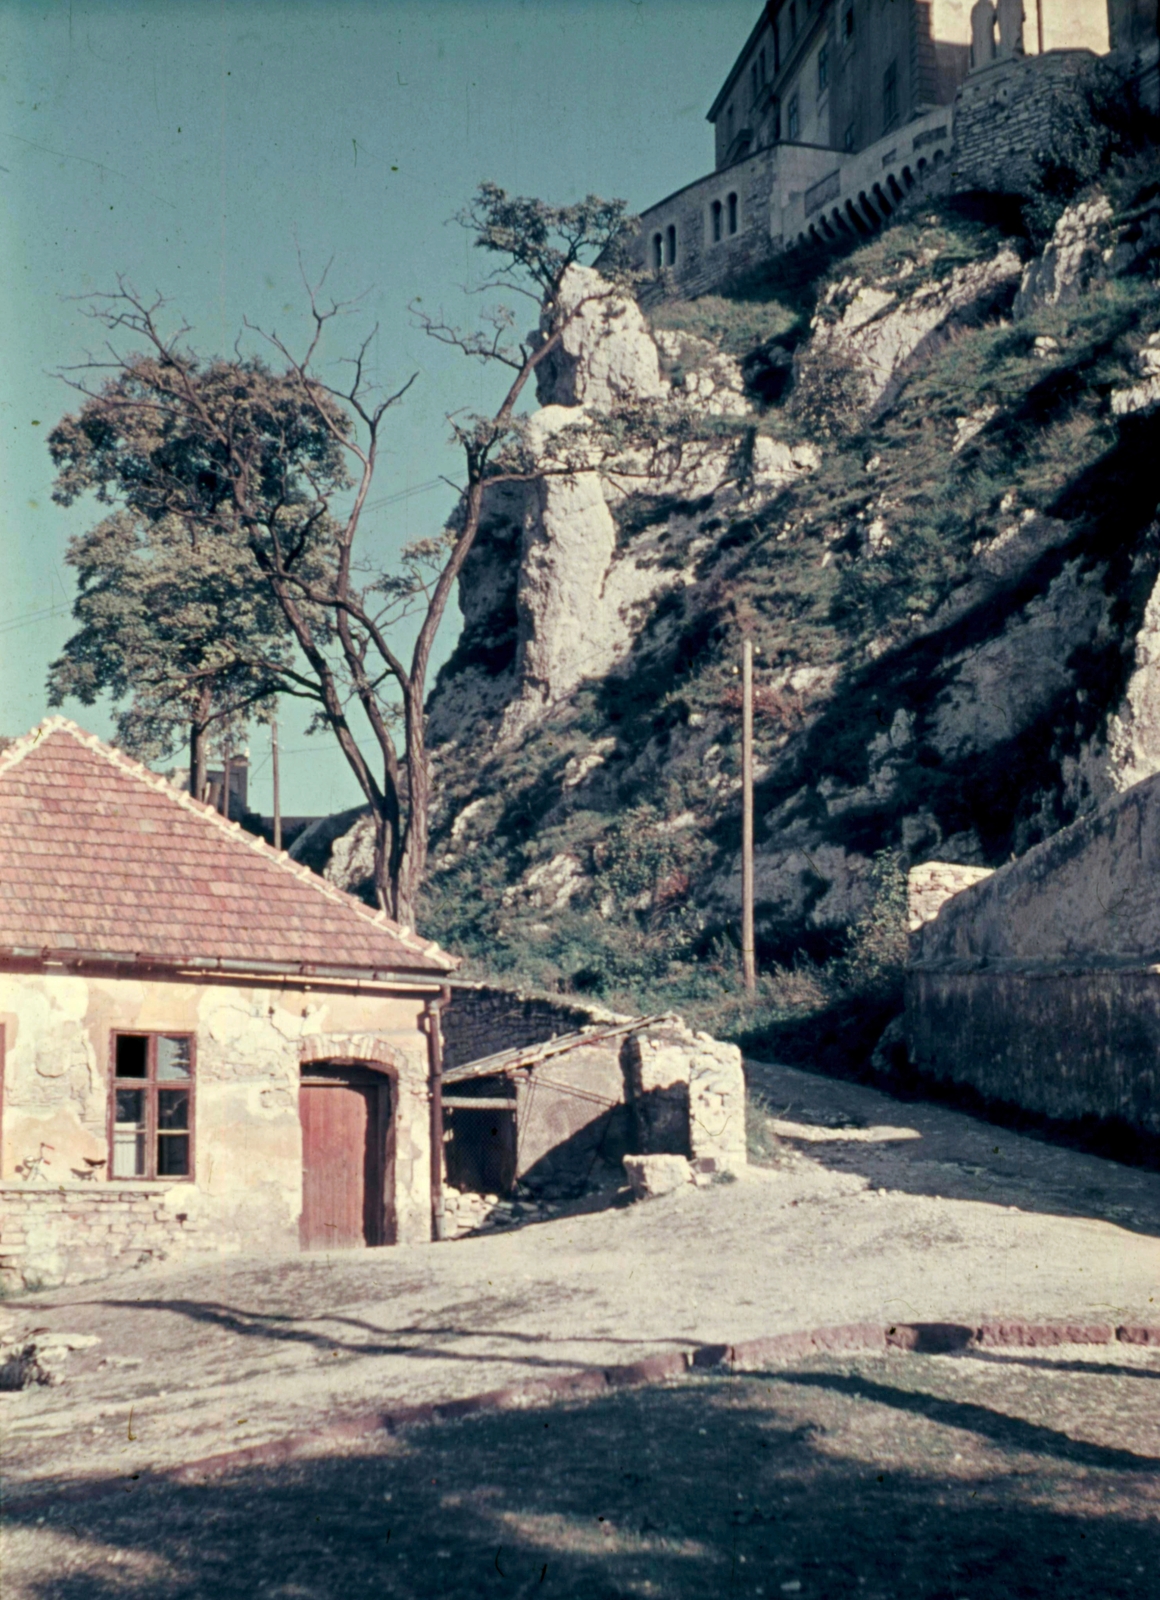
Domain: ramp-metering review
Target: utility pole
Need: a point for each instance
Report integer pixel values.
(748, 957)
(1039, 23)
(277, 786)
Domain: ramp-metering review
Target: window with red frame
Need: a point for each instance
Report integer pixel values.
(151, 1115)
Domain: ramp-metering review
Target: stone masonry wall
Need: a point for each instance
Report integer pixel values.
(1004, 113)
(1067, 1045)
(483, 1021)
(57, 1233)
(701, 264)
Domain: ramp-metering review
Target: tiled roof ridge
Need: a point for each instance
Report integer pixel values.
(27, 743)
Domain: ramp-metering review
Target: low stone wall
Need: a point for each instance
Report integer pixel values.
(63, 1233)
(1066, 1044)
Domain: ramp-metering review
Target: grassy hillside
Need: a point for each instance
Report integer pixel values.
(839, 580)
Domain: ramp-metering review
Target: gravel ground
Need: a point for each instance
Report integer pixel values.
(936, 1477)
(871, 1210)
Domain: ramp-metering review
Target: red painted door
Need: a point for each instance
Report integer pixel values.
(338, 1123)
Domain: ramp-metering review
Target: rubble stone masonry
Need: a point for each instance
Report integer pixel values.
(54, 1233)
(1004, 116)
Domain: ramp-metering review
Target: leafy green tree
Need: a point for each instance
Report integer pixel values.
(281, 465)
(176, 626)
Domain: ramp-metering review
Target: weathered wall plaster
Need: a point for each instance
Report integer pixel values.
(250, 1042)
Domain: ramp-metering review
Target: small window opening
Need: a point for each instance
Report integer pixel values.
(151, 1116)
(670, 245)
(848, 138)
(731, 202)
(658, 252)
(848, 22)
(716, 221)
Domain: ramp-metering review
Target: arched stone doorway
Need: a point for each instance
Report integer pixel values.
(347, 1097)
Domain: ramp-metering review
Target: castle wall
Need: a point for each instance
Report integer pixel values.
(1039, 985)
(1065, 1044)
(1004, 114)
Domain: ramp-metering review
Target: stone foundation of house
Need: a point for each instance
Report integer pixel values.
(63, 1233)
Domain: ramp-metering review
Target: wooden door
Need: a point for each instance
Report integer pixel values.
(343, 1128)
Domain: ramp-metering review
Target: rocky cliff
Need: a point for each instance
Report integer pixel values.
(930, 499)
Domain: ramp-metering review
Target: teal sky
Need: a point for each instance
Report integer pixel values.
(197, 145)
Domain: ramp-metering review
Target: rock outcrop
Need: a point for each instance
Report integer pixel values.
(868, 332)
(584, 731)
(553, 595)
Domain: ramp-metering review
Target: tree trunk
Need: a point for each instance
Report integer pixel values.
(413, 860)
(197, 738)
(197, 741)
(386, 881)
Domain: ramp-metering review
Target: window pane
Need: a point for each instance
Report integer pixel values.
(130, 1108)
(129, 1134)
(173, 1155)
(173, 1059)
(132, 1055)
(172, 1109)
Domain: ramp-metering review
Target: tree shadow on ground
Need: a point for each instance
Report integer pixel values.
(408, 1339)
(820, 1483)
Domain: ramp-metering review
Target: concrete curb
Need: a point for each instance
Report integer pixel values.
(779, 1349)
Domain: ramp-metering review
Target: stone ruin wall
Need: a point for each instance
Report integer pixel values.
(482, 1021)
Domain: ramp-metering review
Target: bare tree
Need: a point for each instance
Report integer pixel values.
(282, 464)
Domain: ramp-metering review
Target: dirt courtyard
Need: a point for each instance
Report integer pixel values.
(871, 1210)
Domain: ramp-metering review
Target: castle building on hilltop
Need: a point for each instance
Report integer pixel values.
(835, 110)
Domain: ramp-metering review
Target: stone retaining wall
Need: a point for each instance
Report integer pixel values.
(1004, 115)
(1064, 1044)
(57, 1233)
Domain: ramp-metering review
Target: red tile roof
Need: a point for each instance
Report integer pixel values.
(101, 856)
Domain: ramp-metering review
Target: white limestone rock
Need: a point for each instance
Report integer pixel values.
(651, 1176)
(1145, 394)
(606, 354)
(880, 328)
(1134, 730)
(1072, 257)
(549, 886)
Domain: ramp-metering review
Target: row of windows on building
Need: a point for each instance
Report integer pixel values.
(758, 82)
(724, 219)
(793, 119)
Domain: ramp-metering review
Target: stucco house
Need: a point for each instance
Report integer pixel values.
(202, 1044)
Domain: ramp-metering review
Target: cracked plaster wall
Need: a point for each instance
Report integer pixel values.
(247, 1190)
